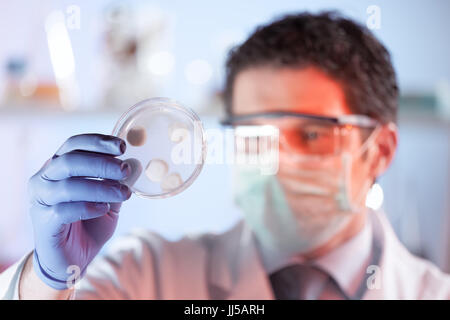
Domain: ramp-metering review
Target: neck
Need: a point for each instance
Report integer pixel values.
(355, 226)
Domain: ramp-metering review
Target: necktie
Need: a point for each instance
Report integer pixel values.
(298, 282)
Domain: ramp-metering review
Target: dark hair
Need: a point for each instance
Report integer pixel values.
(343, 49)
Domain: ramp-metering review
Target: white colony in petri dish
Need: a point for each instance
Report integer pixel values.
(137, 136)
(171, 182)
(156, 170)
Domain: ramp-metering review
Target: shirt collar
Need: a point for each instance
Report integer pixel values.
(347, 263)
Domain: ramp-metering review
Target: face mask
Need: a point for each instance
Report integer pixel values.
(300, 209)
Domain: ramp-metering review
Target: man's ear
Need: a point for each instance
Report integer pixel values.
(386, 146)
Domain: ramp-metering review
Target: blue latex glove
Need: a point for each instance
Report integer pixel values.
(74, 215)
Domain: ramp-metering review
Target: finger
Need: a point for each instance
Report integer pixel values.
(111, 217)
(86, 164)
(93, 142)
(69, 212)
(80, 189)
(108, 223)
(114, 207)
(135, 172)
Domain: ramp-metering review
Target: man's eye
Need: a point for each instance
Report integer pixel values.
(310, 135)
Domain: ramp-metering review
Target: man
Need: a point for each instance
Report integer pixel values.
(329, 87)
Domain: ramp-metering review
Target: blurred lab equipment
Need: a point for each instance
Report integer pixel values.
(132, 51)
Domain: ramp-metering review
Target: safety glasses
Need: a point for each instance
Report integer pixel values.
(307, 134)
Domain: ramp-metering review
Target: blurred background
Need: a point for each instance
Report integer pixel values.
(70, 67)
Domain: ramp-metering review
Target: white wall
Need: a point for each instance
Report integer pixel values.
(416, 32)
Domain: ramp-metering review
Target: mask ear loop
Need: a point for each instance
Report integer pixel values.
(344, 194)
(366, 145)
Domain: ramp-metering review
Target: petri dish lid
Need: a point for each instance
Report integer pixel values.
(166, 147)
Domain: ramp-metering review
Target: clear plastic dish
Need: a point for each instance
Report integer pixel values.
(166, 147)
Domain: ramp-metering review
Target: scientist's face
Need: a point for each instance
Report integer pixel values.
(310, 91)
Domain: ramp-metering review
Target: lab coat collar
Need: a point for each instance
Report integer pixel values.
(347, 263)
(237, 272)
(386, 272)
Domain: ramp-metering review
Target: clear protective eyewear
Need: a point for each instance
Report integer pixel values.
(307, 134)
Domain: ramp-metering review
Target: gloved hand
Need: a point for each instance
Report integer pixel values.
(73, 215)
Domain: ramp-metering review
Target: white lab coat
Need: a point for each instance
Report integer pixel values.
(225, 266)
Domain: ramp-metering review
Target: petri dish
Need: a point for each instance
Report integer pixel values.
(166, 147)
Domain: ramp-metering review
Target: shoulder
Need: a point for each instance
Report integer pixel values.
(436, 283)
(413, 276)
(425, 278)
